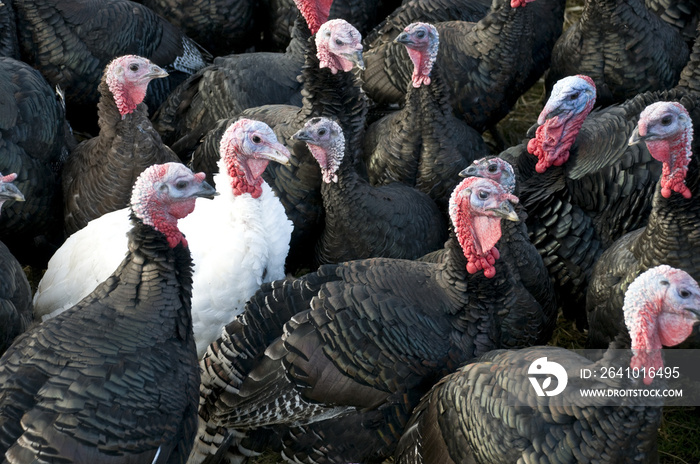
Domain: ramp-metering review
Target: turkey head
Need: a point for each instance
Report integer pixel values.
(339, 46)
(128, 77)
(326, 143)
(561, 118)
(477, 206)
(661, 307)
(421, 41)
(246, 148)
(667, 130)
(494, 168)
(8, 191)
(164, 193)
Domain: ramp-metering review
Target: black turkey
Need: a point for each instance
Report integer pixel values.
(100, 172)
(623, 47)
(672, 235)
(423, 144)
(114, 379)
(15, 293)
(488, 64)
(361, 220)
(33, 145)
(683, 15)
(70, 42)
(233, 83)
(487, 412)
(362, 336)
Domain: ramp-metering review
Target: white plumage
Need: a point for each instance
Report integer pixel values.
(237, 242)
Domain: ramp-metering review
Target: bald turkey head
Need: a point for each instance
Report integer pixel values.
(667, 129)
(326, 142)
(339, 46)
(246, 148)
(477, 206)
(661, 307)
(128, 77)
(8, 191)
(494, 168)
(421, 41)
(560, 120)
(164, 193)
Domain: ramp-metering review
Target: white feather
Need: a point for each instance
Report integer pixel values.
(237, 243)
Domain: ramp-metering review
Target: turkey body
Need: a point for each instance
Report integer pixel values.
(100, 172)
(33, 145)
(623, 47)
(114, 379)
(491, 396)
(9, 46)
(71, 42)
(681, 15)
(671, 234)
(361, 335)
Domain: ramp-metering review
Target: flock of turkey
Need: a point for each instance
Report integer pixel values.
(295, 226)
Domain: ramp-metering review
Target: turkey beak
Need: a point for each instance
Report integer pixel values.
(10, 192)
(155, 72)
(636, 137)
(356, 58)
(302, 135)
(403, 38)
(205, 191)
(278, 153)
(506, 211)
(471, 171)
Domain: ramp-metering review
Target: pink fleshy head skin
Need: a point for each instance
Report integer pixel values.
(476, 207)
(127, 78)
(667, 129)
(422, 42)
(164, 193)
(339, 46)
(519, 3)
(570, 102)
(326, 142)
(661, 307)
(315, 12)
(246, 149)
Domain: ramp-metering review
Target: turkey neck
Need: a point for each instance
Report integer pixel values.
(337, 96)
(153, 271)
(672, 235)
(111, 122)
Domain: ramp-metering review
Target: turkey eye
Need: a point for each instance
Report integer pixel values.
(664, 283)
(666, 120)
(483, 195)
(492, 168)
(181, 184)
(322, 132)
(134, 67)
(338, 42)
(684, 293)
(420, 34)
(256, 139)
(573, 96)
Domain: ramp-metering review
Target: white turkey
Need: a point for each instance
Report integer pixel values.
(114, 379)
(238, 241)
